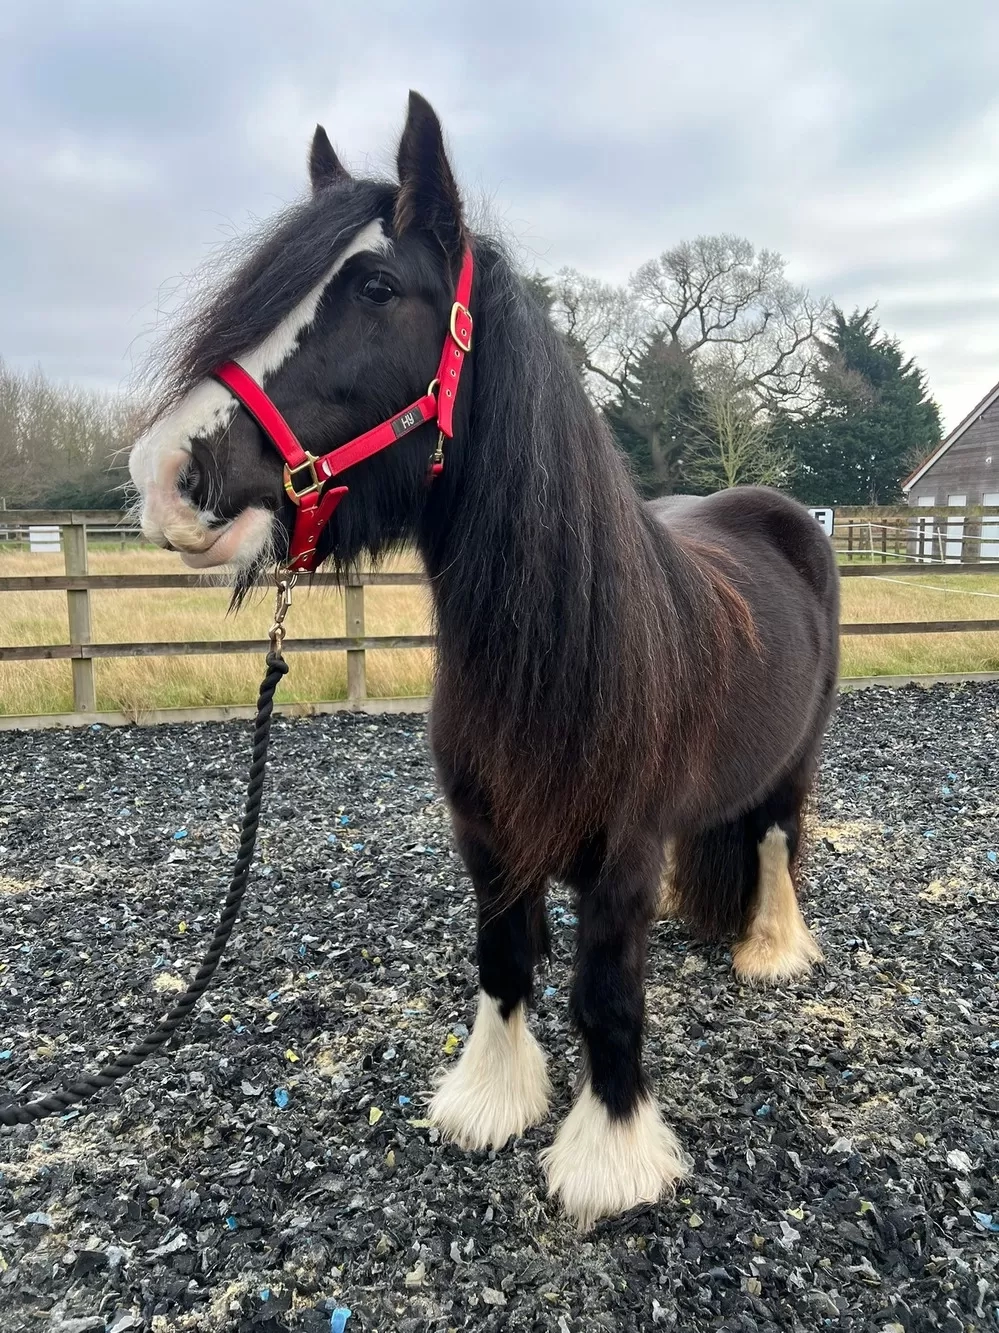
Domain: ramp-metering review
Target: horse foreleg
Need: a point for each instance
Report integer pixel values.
(613, 1151)
(499, 1087)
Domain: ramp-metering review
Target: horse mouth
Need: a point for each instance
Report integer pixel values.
(241, 542)
(207, 557)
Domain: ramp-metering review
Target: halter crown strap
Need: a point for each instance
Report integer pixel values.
(306, 475)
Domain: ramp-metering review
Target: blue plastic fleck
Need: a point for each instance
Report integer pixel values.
(987, 1221)
(344, 820)
(281, 1098)
(357, 846)
(338, 1319)
(550, 991)
(763, 1110)
(944, 791)
(404, 1101)
(335, 884)
(5, 1055)
(302, 950)
(993, 856)
(914, 999)
(180, 835)
(265, 1293)
(231, 1223)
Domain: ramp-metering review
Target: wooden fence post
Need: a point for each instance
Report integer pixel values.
(357, 689)
(74, 546)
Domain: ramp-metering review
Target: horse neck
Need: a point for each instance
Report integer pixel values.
(541, 556)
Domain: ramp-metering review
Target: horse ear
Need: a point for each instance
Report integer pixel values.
(428, 196)
(325, 168)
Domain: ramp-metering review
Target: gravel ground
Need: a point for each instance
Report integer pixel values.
(276, 1168)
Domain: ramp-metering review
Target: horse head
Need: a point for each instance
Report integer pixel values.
(338, 315)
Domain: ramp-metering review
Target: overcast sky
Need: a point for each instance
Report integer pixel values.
(858, 137)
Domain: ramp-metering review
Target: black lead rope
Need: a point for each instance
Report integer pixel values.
(56, 1102)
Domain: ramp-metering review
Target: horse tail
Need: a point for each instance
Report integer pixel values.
(711, 878)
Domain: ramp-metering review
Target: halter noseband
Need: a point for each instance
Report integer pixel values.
(305, 474)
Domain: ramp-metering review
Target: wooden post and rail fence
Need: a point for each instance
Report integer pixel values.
(866, 540)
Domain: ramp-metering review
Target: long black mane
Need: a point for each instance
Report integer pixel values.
(576, 628)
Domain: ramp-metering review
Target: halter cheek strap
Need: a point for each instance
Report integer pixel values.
(307, 476)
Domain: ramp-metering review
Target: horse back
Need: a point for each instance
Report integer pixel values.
(760, 531)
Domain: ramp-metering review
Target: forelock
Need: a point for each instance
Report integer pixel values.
(251, 285)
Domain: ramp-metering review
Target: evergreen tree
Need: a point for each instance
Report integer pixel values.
(652, 415)
(542, 290)
(874, 420)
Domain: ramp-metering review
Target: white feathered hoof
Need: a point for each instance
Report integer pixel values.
(769, 957)
(601, 1167)
(777, 944)
(499, 1087)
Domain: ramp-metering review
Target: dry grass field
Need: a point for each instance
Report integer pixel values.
(133, 684)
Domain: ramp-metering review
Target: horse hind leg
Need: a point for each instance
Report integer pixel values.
(737, 880)
(775, 943)
(668, 907)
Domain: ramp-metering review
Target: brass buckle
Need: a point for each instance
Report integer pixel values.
(292, 490)
(457, 308)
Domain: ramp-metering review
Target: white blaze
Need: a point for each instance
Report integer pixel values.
(159, 457)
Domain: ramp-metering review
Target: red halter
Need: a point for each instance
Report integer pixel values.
(306, 474)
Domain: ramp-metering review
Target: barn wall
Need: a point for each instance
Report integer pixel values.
(970, 467)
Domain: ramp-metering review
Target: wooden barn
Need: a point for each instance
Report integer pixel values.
(963, 470)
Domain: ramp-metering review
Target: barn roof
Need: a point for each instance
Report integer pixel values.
(991, 397)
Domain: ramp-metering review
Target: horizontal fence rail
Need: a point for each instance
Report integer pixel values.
(78, 583)
(179, 648)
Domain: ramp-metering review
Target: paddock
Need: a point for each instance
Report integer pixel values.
(278, 1164)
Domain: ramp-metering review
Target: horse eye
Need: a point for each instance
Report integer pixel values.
(378, 290)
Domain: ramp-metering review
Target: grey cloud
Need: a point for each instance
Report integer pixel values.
(860, 140)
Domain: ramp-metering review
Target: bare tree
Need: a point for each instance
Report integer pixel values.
(732, 444)
(722, 301)
(728, 304)
(60, 444)
(605, 326)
